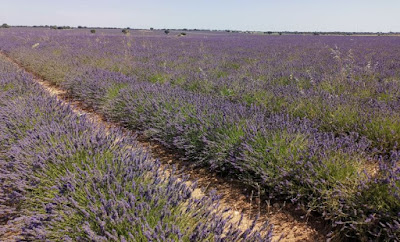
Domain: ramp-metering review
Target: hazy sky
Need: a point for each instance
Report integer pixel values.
(278, 15)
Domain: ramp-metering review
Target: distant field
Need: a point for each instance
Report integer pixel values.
(313, 120)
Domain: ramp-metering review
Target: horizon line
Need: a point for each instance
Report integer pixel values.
(200, 29)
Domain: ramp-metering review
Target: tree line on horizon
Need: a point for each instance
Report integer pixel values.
(167, 31)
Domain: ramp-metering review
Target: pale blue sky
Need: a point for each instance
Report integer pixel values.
(278, 15)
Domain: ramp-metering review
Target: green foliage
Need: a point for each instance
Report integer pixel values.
(7, 87)
(227, 92)
(343, 117)
(274, 151)
(384, 130)
(158, 78)
(202, 86)
(180, 81)
(114, 90)
(267, 99)
(222, 74)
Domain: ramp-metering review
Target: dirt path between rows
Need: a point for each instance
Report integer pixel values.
(288, 222)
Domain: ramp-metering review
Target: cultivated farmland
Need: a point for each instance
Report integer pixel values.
(311, 120)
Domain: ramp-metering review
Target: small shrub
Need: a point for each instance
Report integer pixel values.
(166, 31)
(125, 31)
(93, 31)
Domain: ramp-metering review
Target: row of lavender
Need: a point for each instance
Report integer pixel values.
(344, 83)
(283, 145)
(64, 178)
(287, 158)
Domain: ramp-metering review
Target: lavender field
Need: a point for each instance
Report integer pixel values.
(311, 120)
(63, 178)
